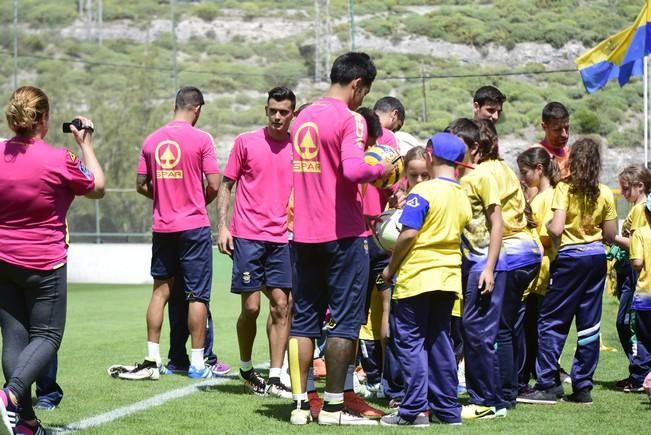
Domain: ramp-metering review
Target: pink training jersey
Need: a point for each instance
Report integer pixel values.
(374, 199)
(175, 158)
(37, 185)
(262, 168)
(327, 206)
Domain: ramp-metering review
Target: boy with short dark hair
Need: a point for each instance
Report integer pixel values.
(487, 103)
(427, 264)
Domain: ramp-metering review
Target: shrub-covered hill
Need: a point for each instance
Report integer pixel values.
(433, 55)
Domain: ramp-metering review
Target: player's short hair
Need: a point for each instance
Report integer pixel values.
(388, 104)
(188, 97)
(488, 94)
(466, 129)
(373, 124)
(351, 66)
(554, 111)
(281, 93)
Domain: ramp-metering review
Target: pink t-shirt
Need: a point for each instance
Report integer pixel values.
(262, 168)
(327, 206)
(175, 158)
(37, 185)
(374, 199)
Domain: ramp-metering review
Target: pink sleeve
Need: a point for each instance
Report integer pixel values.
(358, 171)
(77, 176)
(209, 162)
(233, 168)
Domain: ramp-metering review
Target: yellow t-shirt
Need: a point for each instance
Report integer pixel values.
(440, 210)
(641, 250)
(512, 198)
(372, 329)
(634, 219)
(541, 208)
(482, 191)
(583, 225)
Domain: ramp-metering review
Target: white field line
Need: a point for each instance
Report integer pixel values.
(143, 405)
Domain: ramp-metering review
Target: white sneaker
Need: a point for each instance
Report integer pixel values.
(300, 416)
(421, 420)
(344, 418)
(279, 390)
(147, 370)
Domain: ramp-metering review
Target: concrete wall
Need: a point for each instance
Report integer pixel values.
(110, 263)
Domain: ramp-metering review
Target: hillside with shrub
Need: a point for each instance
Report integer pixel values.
(431, 55)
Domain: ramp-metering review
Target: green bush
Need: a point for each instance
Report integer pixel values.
(205, 11)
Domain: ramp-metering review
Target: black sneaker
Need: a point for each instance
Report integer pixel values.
(622, 383)
(631, 388)
(254, 382)
(583, 397)
(548, 396)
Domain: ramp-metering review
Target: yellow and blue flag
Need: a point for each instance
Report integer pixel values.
(618, 57)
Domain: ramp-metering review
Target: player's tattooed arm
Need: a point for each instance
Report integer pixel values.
(143, 186)
(225, 239)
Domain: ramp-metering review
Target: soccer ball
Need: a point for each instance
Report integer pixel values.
(378, 153)
(386, 228)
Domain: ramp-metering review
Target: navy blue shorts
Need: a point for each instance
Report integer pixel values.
(258, 265)
(330, 275)
(187, 253)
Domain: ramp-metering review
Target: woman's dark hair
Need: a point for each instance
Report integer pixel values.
(585, 166)
(488, 144)
(539, 156)
(373, 124)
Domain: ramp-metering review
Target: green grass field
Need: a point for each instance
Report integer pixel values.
(106, 325)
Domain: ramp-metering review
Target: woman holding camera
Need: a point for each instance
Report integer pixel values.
(38, 182)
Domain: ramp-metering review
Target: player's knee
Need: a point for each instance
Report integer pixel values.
(250, 311)
(280, 309)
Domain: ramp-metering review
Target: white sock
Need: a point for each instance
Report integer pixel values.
(197, 359)
(348, 384)
(333, 398)
(246, 365)
(274, 372)
(153, 352)
(285, 362)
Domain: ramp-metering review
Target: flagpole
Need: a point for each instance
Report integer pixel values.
(646, 112)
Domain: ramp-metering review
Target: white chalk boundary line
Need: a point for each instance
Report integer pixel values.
(144, 405)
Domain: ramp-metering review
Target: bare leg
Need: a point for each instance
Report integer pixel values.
(339, 353)
(246, 323)
(278, 327)
(156, 308)
(197, 318)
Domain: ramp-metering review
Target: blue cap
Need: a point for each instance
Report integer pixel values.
(648, 203)
(448, 147)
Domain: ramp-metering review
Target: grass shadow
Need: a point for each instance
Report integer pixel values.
(277, 411)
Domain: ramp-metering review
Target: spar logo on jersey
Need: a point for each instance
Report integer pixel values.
(413, 202)
(306, 146)
(168, 156)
